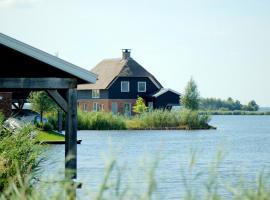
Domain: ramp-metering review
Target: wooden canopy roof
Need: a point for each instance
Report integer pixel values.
(25, 68)
(18, 59)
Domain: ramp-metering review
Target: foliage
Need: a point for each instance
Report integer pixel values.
(45, 126)
(155, 119)
(158, 119)
(100, 121)
(163, 119)
(226, 105)
(190, 98)
(193, 119)
(41, 103)
(19, 154)
(252, 106)
(139, 106)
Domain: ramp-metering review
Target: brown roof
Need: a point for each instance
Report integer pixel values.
(110, 69)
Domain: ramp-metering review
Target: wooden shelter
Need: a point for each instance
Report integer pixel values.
(25, 69)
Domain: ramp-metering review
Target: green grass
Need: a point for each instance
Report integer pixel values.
(48, 136)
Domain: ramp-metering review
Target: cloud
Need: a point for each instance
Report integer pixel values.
(8, 3)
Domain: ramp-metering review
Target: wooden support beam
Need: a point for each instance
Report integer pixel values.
(60, 120)
(37, 83)
(71, 135)
(21, 103)
(59, 100)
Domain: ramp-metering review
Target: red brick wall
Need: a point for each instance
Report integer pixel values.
(6, 103)
(107, 104)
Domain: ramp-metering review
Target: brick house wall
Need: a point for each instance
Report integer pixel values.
(105, 104)
(6, 103)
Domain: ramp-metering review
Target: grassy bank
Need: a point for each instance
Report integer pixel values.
(234, 112)
(48, 136)
(158, 119)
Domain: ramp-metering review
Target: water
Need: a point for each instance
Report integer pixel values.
(244, 139)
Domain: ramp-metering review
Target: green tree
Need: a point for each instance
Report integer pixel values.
(41, 103)
(139, 106)
(191, 96)
(252, 106)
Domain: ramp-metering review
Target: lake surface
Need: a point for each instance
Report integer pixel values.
(244, 139)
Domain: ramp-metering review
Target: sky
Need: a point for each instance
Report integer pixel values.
(223, 44)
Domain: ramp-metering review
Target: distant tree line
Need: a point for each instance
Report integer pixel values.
(226, 105)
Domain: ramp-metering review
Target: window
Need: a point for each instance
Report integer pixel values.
(141, 86)
(98, 107)
(127, 109)
(114, 107)
(124, 86)
(95, 106)
(95, 94)
(84, 107)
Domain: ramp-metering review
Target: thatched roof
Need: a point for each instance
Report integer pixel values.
(109, 70)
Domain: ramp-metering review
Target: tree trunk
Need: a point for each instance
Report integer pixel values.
(41, 117)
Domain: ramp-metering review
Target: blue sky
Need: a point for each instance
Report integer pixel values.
(223, 45)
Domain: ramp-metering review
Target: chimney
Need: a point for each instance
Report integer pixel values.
(126, 54)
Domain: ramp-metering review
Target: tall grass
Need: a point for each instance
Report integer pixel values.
(19, 154)
(112, 185)
(154, 119)
(157, 119)
(100, 121)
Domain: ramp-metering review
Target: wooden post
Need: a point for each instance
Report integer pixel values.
(60, 120)
(71, 136)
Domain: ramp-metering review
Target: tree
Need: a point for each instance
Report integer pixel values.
(139, 106)
(252, 106)
(41, 102)
(191, 96)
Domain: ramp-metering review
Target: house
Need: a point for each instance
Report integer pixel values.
(120, 82)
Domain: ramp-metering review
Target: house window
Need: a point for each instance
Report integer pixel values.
(98, 107)
(84, 107)
(124, 86)
(141, 86)
(95, 106)
(127, 109)
(114, 107)
(95, 94)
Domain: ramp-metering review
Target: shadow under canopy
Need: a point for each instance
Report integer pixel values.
(25, 69)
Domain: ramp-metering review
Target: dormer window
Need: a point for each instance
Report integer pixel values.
(141, 86)
(95, 94)
(124, 86)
